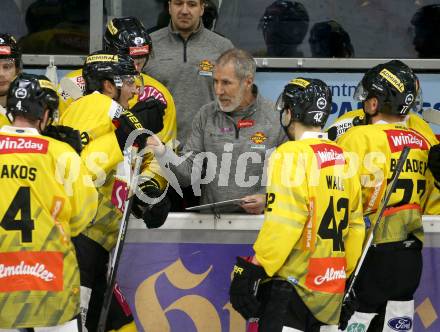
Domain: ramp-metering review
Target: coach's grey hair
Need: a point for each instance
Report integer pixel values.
(243, 62)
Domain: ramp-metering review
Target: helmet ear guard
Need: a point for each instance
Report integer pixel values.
(30, 96)
(309, 101)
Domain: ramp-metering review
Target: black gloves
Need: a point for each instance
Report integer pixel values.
(65, 134)
(150, 113)
(125, 124)
(153, 215)
(434, 161)
(349, 306)
(244, 286)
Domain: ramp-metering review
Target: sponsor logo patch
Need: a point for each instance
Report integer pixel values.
(245, 123)
(5, 50)
(31, 271)
(139, 50)
(110, 27)
(20, 144)
(356, 327)
(300, 82)
(397, 139)
(119, 194)
(79, 81)
(400, 323)
(47, 84)
(258, 138)
(326, 274)
(393, 79)
(151, 91)
(226, 130)
(102, 58)
(328, 155)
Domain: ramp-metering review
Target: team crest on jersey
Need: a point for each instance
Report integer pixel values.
(328, 155)
(31, 271)
(206, 68)
(326, 274)
(397, 139)
(259, 137)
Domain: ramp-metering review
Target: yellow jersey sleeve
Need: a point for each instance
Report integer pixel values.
(152, 88)
(286, 211)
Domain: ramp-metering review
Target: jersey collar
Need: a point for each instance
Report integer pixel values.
(20, 130)
(313, 134)
(402, 123)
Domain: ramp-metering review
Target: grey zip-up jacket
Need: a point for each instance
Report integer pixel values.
(185, 68)
(226, 155)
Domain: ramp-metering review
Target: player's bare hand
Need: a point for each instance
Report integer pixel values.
(254, 204)
(154, 143)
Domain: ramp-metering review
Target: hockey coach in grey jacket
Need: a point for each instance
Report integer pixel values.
(183, 60)
(231, 140)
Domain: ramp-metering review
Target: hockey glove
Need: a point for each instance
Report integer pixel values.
(153, 215)
(65, 134)
(349, 306)
(125, 124)
(150, 113)
(244, 286)
(434, 161)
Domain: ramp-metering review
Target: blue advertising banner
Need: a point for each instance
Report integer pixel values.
(183, 287)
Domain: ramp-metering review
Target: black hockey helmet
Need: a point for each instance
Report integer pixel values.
(100, 66)
(127, 35)
(328, 39)
(9, 49)
(426, 31)
(30, 95)
(287, 21)
(308, 99)
(394, 85)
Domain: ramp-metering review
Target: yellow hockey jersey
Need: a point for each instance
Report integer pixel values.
(46, 200)
(4, 121)
(93, 115)
(313, 227)
(148, 87)
(377, 148)
(412, 120)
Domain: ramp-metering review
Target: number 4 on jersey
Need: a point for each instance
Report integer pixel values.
(329, 228)
(21, 203)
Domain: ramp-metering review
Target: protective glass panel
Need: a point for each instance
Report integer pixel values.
(314, 28)
(48, 27)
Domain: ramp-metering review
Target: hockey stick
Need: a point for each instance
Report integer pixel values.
(120, 242)
(382, 207)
